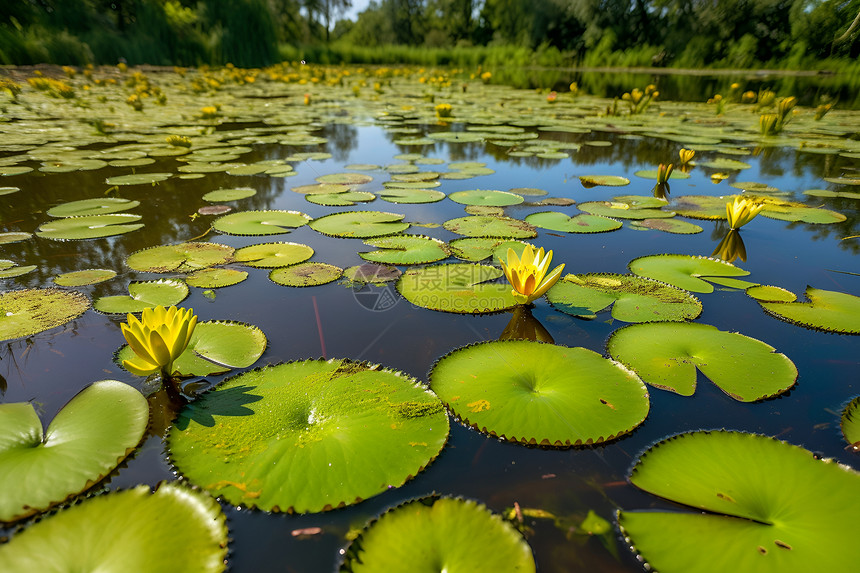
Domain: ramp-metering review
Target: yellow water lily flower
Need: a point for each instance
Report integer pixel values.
(741, 211)
(528, 273)
(664, 172)
(157, 339)
(686, 155)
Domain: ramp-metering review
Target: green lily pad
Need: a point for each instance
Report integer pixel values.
(89, 227)
(490, 226)
(86, 207)
(347, 199)
(27, 312)
(405, 250)
(9, 190)
(163, 292)
(359, 224)
(215, 278)
(829, 193)
(476, 249)
(801, 213)
(666, 355)
(768, 293)
(43, 469)
(308, 436)
(84, 277)
(486, 197)
(704, 207)
(306, 274)
(456, 287)
(10, 269)
(419, 535)
(652, 174)
(742, 518)
(268, 222)
(851, 423)
(673, 225)
(271, 255)
(589, 181)
(345, 178)
(229, 194)
(754, 187)
(14, 237)
(724, 164)
(138, 179)
(620, 209)
(537, 393)
(6, 171)
(633, 298)
(689, 272)
(181, 258)
(216, 346)
(843, 180)
(172, 529)
(321, 189)
(410, 196)
(826, 310)
(582, 223)
(370, 273)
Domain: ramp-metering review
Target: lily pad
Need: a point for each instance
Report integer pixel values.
(405, 250)
(410, 196)
(633, 298)
(174, 528)
(741, 518)
(589, 181)
(704, 207)
(138, 179)
(828, 310)
(14, 237)
(308, 436)
(653, 173)
(215, 278)
(456, 287)
(851, 423)
(229, 194)
(43, 469)
(537, 393)
(27, 312)
(90, 227)
(271, 255)
(582, 223)
(476, 249)
(306, 274)
(181, 258)
(163, 292)
(689, 272)
(215, 347)
(345, 178)
(269, 222)
(9, 269)
(370, 273)
(86, 207)
(490, 226)
(347, 199)
(666, 355)
(768, 293)
(673, 225)
(724, 164)
(419, 535)
(321, 189)
(359, 224)
(620, 209)
(798, 212)
(84, 277)
(486, 197)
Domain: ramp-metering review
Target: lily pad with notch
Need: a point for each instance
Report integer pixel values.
(10, 269)
(143, 294)
(305, 274)
(266, 222)
(828, 310)
(491, 226)
(138, 179)
(89, 227)
(690, 272)
(457, 287)
(87, 207)
(741, 518)
(271, 255)
(220, 195)
(346, 199)
(30, 311)
(589, 181)
(308, 436)
(476, 249)
(410, 196)
(181, 258)
(582, 223)
(216, 278)
(486, 197)
(405, 250)
(359, 224)
(542, 394)
(621, 209)
(84, 277)
(673, 225)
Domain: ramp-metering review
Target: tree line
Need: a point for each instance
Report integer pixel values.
(252, 33)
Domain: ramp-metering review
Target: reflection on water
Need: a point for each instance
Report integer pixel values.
(372, 324)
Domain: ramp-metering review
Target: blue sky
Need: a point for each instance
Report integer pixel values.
(357, 6)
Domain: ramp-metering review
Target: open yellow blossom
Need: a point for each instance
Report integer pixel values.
(741, 211)
(157, 339)
(528, 274)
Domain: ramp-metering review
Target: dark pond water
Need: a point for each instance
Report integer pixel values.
(336, 321)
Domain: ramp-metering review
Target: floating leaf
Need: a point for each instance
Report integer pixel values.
(138, 179)
(724, 164)
(767, 293)
(537, 393)
(689, 272)
(456, 287)
(486, 197)
(260, 222)
(163, 292)
(271, 255)
(826, 310)
(99, 206)
(347, 199)
(9, 190)
(666, 356)
(393, 195)
(181, 258)
(785, 211)
(345, 178)
(490, 226)
(321, 189)
(620, 209)
(14, 237)
(702, 206)
(90, 227)
(419, 535)
(215, 278)
(633, 298)
(229, 194)
(308, 436)
(555, 221)
(84, 277)
(589, 181)
(370, 273)
(27, 312)
(215, 347)
(305, 274)
(653, 174)
(86, 440)
(675, 226)
(359, 224)
(757, 504)
(174, 528)
(851, 423)
(476, 249)
(9, 269)
(405, 250)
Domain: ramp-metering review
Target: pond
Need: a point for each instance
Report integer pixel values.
(276, 135)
